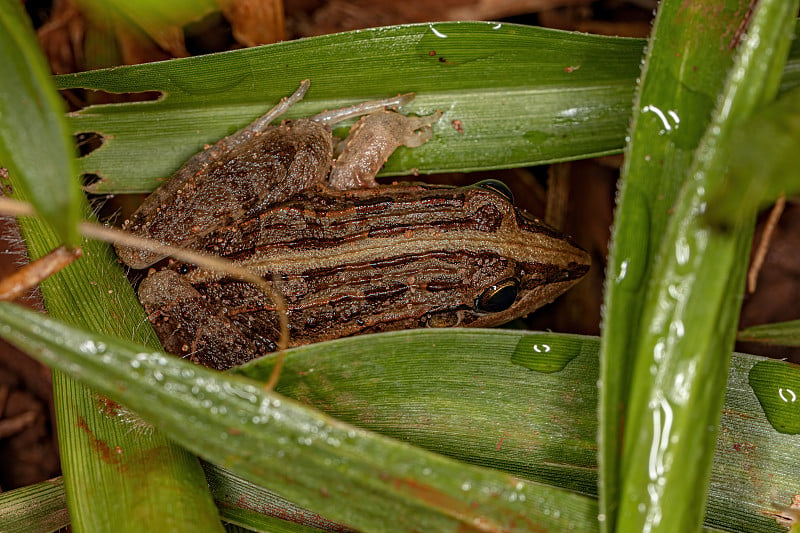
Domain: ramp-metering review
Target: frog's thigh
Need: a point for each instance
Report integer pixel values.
(188, 326)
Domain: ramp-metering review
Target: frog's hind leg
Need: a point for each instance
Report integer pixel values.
(261, 123)
(333, 116)
(232, 141)
(370, 143)
(418, 130)
(189, 327)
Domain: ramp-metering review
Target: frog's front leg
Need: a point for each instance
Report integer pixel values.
(372, 140)
(189, 327)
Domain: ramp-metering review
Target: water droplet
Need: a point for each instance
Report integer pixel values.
(676, 329)
(91, 347)
(537, 137)
(548, 357)
(658, 350)
(777, 387)
(669, 119)
(437, 32)
(631, 243)
(682, 250)
(623, 271)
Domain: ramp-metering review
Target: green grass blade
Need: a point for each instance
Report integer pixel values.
(386, 392)
(523, 95)
(783, 333)
(35, 508)
(470, 406)
(763, 162)
(35, 143)
(684, 71)
(117, 478)
(255, 507)
(692, 307)
(104, 459)
(458, 393)
(362, 479)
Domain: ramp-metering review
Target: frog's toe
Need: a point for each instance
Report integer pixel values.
(418, 138)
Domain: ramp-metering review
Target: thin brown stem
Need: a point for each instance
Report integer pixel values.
(763, 244)
(18, 283)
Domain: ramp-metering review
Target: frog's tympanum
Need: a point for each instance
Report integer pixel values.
(350, 256)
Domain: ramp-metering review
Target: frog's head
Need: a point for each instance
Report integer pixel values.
(511, 263)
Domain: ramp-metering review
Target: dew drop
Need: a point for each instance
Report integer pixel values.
(549, 357)
(777, 386)
(631, 243)
(437, 32)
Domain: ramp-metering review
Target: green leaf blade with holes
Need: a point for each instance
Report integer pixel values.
(503, 105)
(512, 96)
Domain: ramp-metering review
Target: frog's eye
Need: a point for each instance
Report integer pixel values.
(498, 187)
(184, 269)
(498, 297)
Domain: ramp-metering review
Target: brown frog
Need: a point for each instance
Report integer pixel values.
(351, 256)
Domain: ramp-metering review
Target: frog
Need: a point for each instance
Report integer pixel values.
(348, 255)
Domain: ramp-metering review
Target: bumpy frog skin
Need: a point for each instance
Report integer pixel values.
(351, 256)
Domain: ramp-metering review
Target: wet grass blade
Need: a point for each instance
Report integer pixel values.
(523, 95)
(783, 333)
(691, 307)
(103, 457)
(672, 109)
(350, 475)
(392, 384)
(35, 508)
